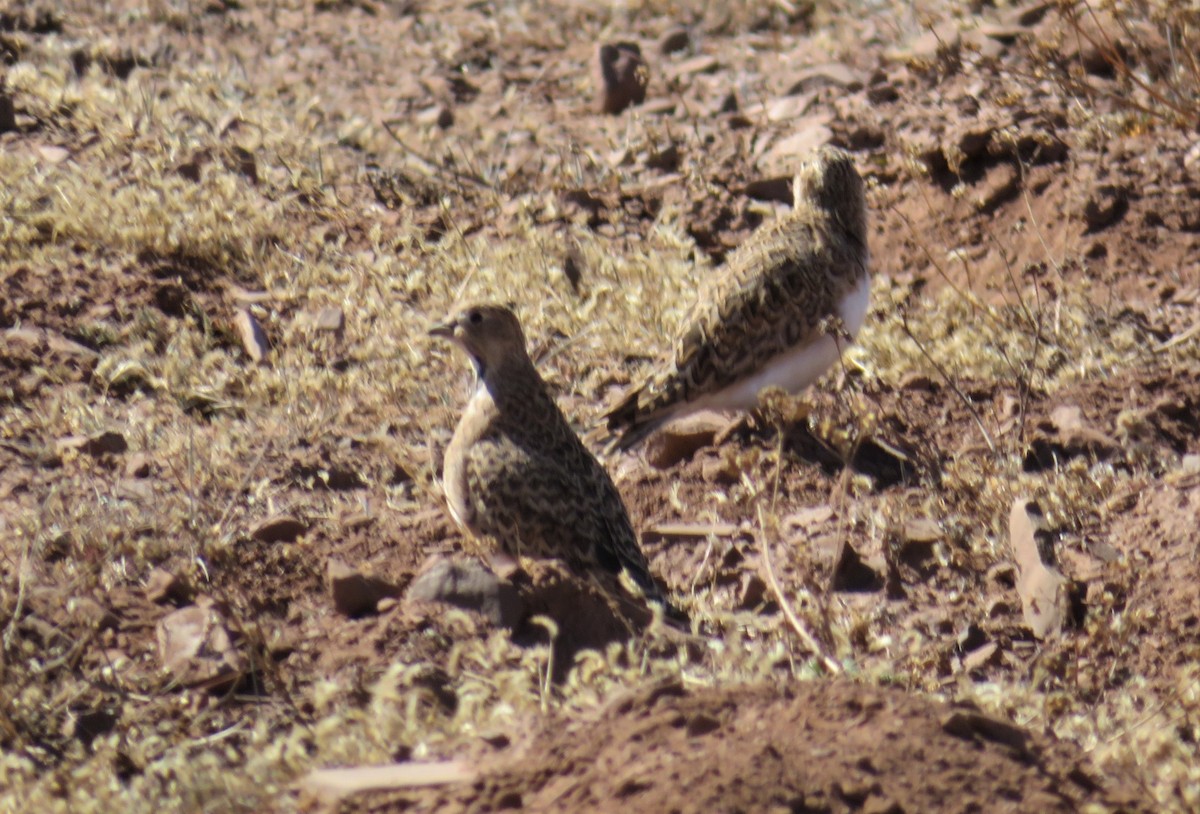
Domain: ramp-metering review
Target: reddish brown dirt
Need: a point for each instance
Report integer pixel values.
(814, 747)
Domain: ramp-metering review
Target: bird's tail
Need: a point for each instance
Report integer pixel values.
(654, 593)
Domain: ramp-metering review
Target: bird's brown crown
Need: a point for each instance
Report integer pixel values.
(830, 181)
(490, 333)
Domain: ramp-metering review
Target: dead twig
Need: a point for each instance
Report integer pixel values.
(797, 626)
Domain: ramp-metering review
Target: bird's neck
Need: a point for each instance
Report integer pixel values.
(513, 382)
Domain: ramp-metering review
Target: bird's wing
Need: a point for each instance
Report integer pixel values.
(766, 300)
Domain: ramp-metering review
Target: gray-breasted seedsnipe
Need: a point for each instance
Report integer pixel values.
(767, 319)
(515, 471)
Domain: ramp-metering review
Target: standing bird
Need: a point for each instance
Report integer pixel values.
(516, 472)
(769, 318)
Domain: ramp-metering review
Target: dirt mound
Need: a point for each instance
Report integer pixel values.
(813, 747)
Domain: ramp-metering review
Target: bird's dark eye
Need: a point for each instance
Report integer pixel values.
(475, 317)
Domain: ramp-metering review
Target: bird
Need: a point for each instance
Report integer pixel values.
(776, 315)
(516, 472)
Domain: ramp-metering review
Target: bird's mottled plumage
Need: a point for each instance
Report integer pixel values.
(516, 472)
(765, 319)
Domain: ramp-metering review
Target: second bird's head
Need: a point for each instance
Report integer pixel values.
(490, 334)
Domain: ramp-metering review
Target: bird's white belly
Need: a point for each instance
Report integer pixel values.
(797, 368)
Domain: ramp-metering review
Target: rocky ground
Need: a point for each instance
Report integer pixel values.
(959, 574)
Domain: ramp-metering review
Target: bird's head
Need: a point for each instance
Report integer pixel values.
(830, 181)
(490, 334)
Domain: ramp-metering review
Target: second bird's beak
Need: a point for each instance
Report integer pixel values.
(444, 329)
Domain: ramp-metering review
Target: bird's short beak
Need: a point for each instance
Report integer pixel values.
(443, 329)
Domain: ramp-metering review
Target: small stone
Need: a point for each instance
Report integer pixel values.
(621, 76)
(1043, 590)
(998, 607)
(659, 107)
(356, 594)
(196, 648)
(980, 656)
(922, 530)
(91, 612)
(830, 75)
(134, 489)
(682, 439)
(244, 296)
(918, 540)
(281, 528)
(355, 520)
(696, 65)
(164, 586)
(469, 585)
(1006, 34)
(786, 108)
(330, 319)
(437, 116)
(808, 519)
(254, 338)
(52, 154)
(1067, 417)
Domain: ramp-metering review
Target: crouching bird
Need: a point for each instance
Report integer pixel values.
(779, 314)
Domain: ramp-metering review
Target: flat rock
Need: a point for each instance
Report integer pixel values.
(786, 108)
(468, 584)
(683, 438)
(330, 319)
(195, 647)
(254, 338)
(830, 75)
(1043, 590)
(700, 64)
